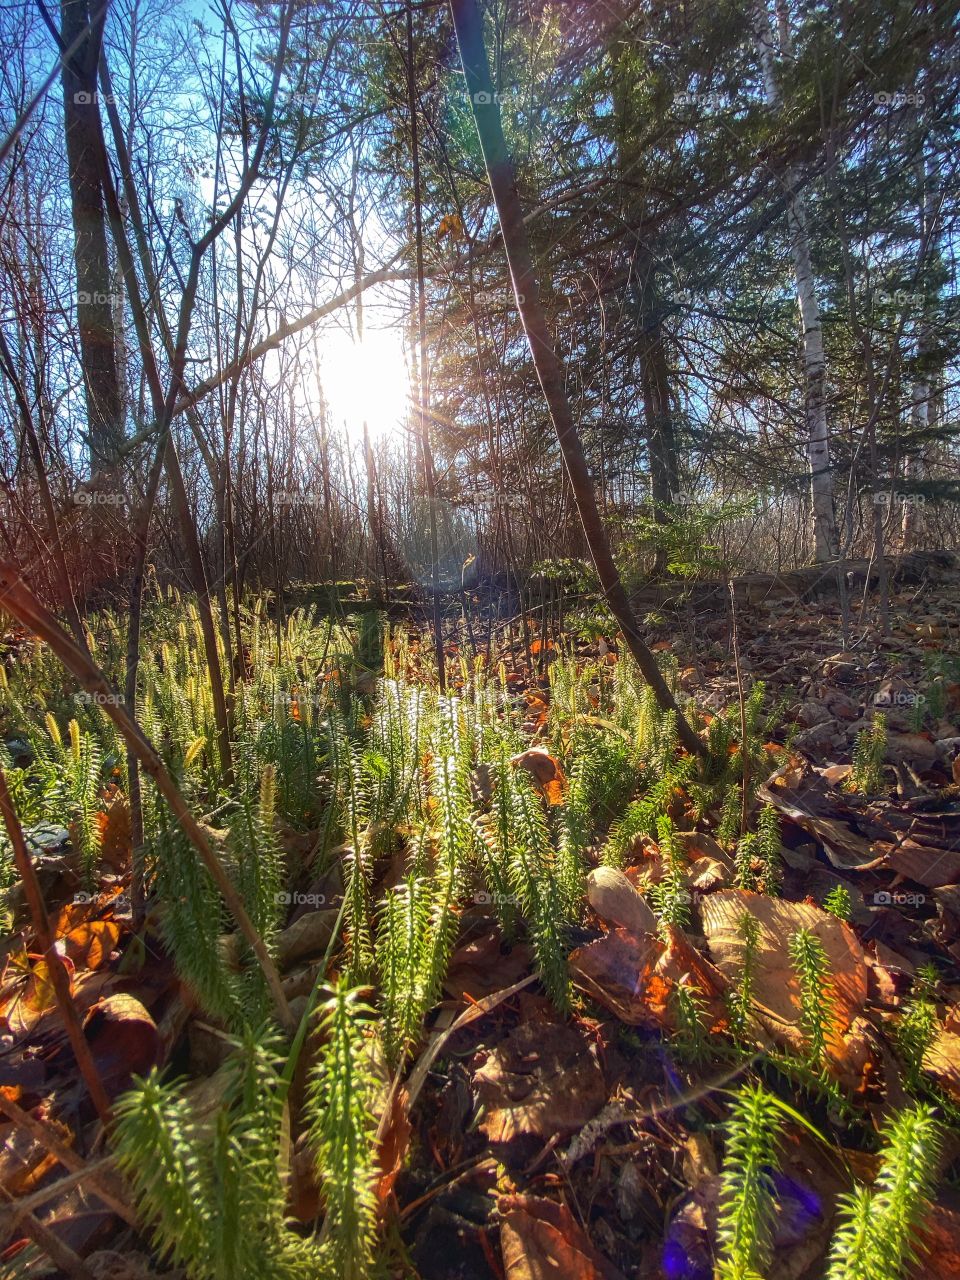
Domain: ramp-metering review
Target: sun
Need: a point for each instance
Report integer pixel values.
(365, 382)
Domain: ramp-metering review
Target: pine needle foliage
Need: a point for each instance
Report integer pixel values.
(740, 996)
(536, 885)
(876, 1235)
(601, 779)
(757, 857)
(278, 725)
(418, 921)
(747, 1193)
(403, 934)
(346, 780)
(64, 784)
(691, 1037)
(349, 811)
(869, 751)
(495, 838)
(812, 969)
(917, 1026)
(642, 815)
(193, 922)
(343, 1129)
(670, 895)
(731, 812)
(570, 684)
(256, 862)
(453, 813)
(397, 738)
(838, 902)
(745, 863)
(768, 850)
(735, 757)
(209, 1186)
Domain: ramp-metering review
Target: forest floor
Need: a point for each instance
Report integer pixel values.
(519, 1140)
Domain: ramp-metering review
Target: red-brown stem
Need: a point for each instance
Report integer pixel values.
(58, 972)
(17, 598)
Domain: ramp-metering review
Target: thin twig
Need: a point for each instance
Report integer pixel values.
(58, 973)
(69, 1158)
(744, 754)
(59, 1253)
(17, 598)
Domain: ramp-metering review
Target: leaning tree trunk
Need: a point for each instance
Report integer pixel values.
(486, 113)
(426, 449)
(825, 542)
(95, 311)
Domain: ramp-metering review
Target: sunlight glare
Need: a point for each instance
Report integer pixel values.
(366, 382)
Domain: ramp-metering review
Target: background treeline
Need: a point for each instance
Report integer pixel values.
(745, 221)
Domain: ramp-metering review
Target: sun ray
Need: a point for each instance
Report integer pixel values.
(366, 382)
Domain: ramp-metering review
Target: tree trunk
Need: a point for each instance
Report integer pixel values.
(825, 543)
(163, 412)
(486, 113)
(430, 475)
(654, 371)
(95, 311)
(922, 389)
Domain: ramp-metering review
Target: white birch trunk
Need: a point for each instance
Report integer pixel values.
(825, 545)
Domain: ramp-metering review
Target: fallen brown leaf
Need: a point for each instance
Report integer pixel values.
(926, 864)
(942, 1060)
(24, 1163)
(541, 1240)
(28, 992)
(616, 971)
(481, 966)
(776, 989)
(123, 1039)
(808, 806)
(543, 1079)
(545, 771)
(617, 902)
(89, 945)
(115, 832)
(939, 1253)
(635, 975)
